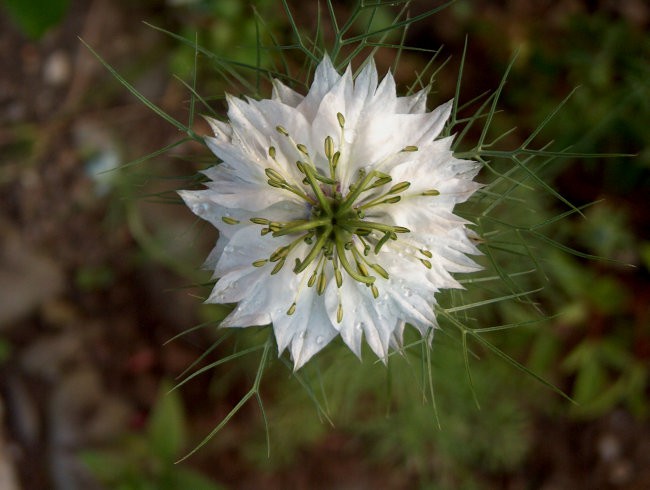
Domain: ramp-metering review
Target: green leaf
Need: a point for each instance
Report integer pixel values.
(166, 428)
(35, 17)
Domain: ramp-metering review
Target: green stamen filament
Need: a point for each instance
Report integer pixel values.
(381, 242)
(322, 200)
(372, 225)
(315, 250)
(359, 188)
(340, 250)
(305, 225)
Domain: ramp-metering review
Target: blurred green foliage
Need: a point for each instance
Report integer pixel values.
(146, 461)
(35, 17)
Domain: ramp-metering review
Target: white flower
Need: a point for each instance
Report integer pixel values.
(335, 212)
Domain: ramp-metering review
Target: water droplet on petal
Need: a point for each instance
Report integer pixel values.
(319, 339)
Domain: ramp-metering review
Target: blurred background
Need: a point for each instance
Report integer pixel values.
(99, 267)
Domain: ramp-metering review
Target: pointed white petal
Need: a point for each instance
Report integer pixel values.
(285, 94)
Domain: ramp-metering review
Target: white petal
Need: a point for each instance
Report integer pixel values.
(324, 79)
(413, 104)
(285, 94)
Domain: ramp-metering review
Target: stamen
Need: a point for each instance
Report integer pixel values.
(380, 270)
(381, 242)
(426, 253)
(431, 192)
(410, 148)
(373, 225)
(273, 175)
(278, 266)
(335, 159)
(391, 200)
(426, 263)
(329, 147)
(302, 149)
(363, 270)
(301, 225)
(324, 179)
(359, 188)
(338, 276)
(322, 282)
(260, 221)
(341, 119)
(312, 279)
(339, 313)
(279, 254)
(375, 291)
(260, 263)
(341, 252)
(282, 131)
(272, 152)
(397, 188)
(292, 309)
(315, 250)
(322, 200)
(379, 182)
(229, 221)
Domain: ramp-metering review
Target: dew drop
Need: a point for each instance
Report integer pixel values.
(319, 339)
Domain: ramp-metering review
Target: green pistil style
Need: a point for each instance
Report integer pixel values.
(336, 230)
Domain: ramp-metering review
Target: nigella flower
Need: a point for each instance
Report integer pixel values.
(335, 212)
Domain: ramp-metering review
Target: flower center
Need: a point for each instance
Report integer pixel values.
(338, 230)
